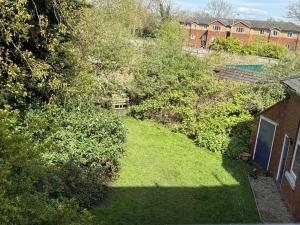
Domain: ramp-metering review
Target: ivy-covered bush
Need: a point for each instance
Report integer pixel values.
(83, 147)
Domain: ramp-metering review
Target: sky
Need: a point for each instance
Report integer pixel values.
(247, 9)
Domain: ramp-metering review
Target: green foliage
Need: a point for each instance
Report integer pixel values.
(83, 147)
(264, 48)
(24, 197)
(230, 44)
(288, 65)
(164, 65)
(106, 33)
(258, 46)
(33, 56)
(179, 91)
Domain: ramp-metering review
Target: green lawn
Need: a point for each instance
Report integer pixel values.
(166, 179)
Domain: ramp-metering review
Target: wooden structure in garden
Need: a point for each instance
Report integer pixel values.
(120, 101)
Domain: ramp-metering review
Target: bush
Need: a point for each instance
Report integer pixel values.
(258, 46)
(230, 44)
(24, 200)
(83, 147)
(288, 65)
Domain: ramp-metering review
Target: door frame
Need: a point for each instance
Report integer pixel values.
(281, 156)
(258, 130)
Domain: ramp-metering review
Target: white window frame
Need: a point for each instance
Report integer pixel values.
(205, 26)
(216, 28)
(280, 161)
(273, 33)
(240, 30)
(257, 133)
(287, 46)
(193, 37)
(297, 142)
(262, 32)
(290, 34)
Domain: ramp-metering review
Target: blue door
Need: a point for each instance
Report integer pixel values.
(284, 151)
(264, 142)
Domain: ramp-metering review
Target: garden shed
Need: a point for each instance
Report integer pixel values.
(275, 141)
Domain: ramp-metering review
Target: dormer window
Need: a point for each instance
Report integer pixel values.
(290, 34)
(240, 30)
(275, 33)
(216, 28)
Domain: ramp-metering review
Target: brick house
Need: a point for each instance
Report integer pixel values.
(202, 32)
(275, 141)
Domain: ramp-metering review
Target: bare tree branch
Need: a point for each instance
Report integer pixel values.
(220, 9)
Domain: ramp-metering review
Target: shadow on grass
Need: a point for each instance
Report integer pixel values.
(177, 205)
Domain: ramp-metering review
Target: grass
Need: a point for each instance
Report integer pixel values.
(166, 179)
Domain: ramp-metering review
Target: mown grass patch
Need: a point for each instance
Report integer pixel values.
(166, 179)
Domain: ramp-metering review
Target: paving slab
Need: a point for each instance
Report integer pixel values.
(271, 206)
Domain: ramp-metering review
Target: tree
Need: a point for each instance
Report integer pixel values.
(294, 11)
(219, 9)
(164, 9)
(33, 57)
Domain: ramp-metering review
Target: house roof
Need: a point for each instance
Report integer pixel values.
(254, 24)
(239, 75)
(293, 83)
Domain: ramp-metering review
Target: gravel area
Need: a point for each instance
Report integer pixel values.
(271, 206)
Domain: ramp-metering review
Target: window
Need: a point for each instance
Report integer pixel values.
(216, 28)
(290, 34)
(193, 37)
(275, 33)
(240, 30)
(262, 32)
(296, 159)
(205, 26)
(287, 46)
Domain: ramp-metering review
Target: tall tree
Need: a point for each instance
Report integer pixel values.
(294, 11)
(32, 54)
(220, 9)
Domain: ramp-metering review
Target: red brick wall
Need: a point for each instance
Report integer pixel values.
(215, 34)
(244, 37)
(287, 115)
(285, 41)
(196, 43)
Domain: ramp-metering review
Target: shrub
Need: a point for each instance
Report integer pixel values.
(34, 60)
(288, 65)
(83, 147)
(258, 46)
(230, 44)
(23, 199)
